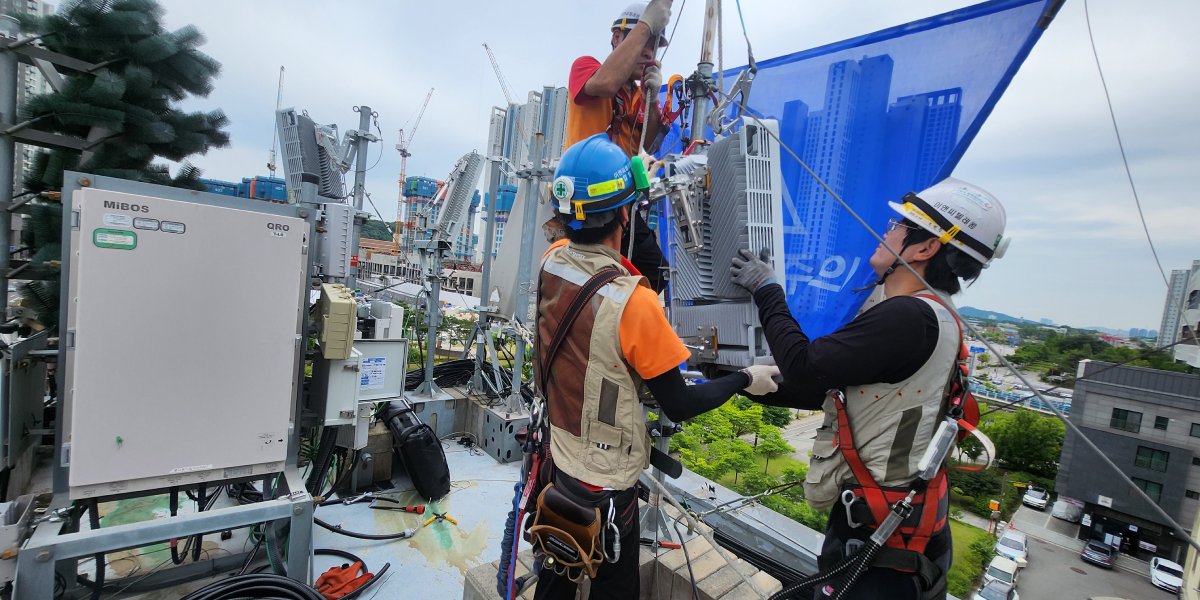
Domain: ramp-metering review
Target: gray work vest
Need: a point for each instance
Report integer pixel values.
(892, 422)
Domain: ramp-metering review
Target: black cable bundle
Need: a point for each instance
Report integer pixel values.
(256, 585)
(94, 519)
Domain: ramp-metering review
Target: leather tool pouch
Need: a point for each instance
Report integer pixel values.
(568, 532)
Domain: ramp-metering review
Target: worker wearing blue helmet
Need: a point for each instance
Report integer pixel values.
(602, 338)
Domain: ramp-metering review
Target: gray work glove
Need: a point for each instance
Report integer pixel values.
(656, 16)
(761, 379)
(750, 271)
(651, 82)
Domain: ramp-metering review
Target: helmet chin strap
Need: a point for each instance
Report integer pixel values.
(892, 269)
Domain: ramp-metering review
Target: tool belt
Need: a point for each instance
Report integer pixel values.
(575, 530)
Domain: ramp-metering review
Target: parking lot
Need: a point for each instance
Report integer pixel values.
(1056, 572)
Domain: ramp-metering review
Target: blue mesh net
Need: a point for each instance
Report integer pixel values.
(875, 117)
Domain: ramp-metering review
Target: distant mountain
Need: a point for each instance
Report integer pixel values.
(971, 312)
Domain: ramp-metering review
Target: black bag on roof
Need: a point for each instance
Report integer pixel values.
(419, 449)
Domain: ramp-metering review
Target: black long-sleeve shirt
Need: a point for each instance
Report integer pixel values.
(647, 256)
(886, 344)
(680, 401)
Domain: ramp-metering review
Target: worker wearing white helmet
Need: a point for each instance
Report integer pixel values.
(605, 96)
(886, 380)
(615, 98)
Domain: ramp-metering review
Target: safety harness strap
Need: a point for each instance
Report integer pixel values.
(870, 490)
(582, 297)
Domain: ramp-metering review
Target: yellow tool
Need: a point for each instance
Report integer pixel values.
(439, 517)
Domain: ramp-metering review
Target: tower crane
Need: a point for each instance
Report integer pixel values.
(402, 147)
(499, 76)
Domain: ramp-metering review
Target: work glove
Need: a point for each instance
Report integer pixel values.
(651, 82)
(761, 379)
(752, 272)
(656, 16)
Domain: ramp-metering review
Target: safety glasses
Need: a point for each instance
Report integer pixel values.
(895, 222)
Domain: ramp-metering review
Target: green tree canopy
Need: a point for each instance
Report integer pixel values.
(376, 230)
(1060, 354)
(737, 453)
(1026, 440)
(779, 416)
(128, 107)
(771, 444)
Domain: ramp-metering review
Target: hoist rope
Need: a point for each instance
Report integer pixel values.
(1121, 146)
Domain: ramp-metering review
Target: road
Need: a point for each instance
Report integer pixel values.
(800, 435)
(1056, 571)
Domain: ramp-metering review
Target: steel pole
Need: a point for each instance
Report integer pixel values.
(9, 80)
(360, 177)
(524, 276)
(704, 69)
(489, 239)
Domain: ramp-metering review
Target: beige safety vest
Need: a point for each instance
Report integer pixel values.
(597, 430)
(892, 422)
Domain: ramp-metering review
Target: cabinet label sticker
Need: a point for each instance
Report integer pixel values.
(119, 239)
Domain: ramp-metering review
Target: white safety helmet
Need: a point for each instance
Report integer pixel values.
(630, 17)
(960, 214)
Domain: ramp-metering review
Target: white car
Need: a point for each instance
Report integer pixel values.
(1036, 497)
(1166, 574)
(1004, 570)
(1013, 545)
(996, 590)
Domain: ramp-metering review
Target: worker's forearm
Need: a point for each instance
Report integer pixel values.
(787, 341)
(680, 402)
(793, 396)
(619, 66)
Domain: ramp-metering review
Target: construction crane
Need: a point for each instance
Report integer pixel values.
(499, 76)
(402, 147)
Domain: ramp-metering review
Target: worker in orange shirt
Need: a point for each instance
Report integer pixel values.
(605, 97)
(601, 336)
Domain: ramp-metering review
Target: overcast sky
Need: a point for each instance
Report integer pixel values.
(1079, 255)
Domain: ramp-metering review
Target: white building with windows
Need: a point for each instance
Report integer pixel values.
(1147, 422)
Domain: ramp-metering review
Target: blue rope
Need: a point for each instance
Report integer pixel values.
(508, 545)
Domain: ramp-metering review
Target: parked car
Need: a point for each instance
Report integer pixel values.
(1036, 497)
(1166, 574)
(1066, 511)
(1004, 570)
(1013, 545)
(1099, 553)
(996, 590)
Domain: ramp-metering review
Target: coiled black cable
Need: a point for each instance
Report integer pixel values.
(256, 585)
(323, 460)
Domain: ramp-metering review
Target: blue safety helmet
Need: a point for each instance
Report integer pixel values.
(594, 178)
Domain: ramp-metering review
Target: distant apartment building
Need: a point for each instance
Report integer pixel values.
(505, 198)
(1148, 423)
(1177, 290)
(1187, 349)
